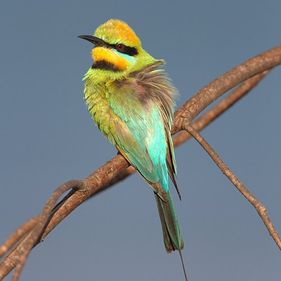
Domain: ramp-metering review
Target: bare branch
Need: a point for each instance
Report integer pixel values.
(260, 208)
(222, 84)
(221, 107)
(118, 168)
(17, 235)
(19, 256)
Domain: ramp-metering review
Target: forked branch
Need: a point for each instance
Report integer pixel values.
(17, 248)
(260, 208)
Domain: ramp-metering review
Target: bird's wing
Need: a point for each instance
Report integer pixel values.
(159, 88)
(141, 131)
(139, 134)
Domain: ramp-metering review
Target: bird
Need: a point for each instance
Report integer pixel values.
(131, 99)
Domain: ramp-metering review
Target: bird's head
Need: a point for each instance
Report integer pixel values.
(117, 50)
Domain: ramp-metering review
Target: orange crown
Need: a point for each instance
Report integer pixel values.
(116, 31)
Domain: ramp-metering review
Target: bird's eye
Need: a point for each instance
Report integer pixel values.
(131, 51)
(120, 47)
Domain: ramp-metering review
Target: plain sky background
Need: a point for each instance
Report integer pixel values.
(47, 137)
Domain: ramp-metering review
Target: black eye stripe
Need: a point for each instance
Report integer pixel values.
(131, 51)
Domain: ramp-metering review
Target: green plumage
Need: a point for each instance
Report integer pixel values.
(133, 107)
(135, 114)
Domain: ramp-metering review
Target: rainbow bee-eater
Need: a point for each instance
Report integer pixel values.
(131, 99)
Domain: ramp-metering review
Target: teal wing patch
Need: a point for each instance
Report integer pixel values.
(139, 134)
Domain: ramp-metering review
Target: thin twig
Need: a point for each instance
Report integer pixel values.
(17, 235)
(260, 208)
(23, 249)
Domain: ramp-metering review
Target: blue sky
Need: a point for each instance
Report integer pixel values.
(48, 137)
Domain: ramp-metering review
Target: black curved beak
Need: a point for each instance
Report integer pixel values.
(93, 39)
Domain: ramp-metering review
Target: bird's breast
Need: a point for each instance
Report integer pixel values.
(99, 108)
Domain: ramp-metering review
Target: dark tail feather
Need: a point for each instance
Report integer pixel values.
(170, 227)
(183, 266)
